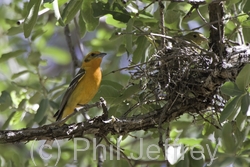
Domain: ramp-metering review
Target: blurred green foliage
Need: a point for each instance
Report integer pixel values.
(35, 69)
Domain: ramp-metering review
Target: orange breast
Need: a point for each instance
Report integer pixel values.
(84, 91)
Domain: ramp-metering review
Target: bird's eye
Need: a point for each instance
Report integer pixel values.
(195, 36)
(92, 54)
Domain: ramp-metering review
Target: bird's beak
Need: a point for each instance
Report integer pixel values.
(101, 55)
(204, 38)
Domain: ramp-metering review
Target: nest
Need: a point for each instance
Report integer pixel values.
(186, 77)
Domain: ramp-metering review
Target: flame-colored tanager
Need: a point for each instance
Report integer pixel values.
(83, 87)
(195, 37)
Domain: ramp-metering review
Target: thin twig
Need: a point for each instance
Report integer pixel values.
(71, 48)
(205, 119)
(126, 68)
(119, 150)
(190, 11)
(99, 152)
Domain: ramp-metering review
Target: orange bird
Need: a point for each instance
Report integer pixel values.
(83, 87)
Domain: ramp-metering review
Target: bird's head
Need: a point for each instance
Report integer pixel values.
(94, 55)
(195, 37)
(93, 59)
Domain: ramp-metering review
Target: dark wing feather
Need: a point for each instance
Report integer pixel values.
(68, 92)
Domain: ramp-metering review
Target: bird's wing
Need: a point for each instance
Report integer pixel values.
(69, 91)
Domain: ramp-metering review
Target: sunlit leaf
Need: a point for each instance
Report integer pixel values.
(16, 118)
(110, 20)
(117, 11)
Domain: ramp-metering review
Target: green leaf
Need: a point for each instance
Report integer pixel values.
(241, 121)
(54, 105)
(173, 19)
(82, 25)
(110, 20)
(108, 92)
(139, 53)
(87, 14)
(30, 20)
(128, 93)
(242, 18)
(240, 137)
(16, 118)
(118, 12)
(21, 105)
(55, 6)
(231, 2)
(5, 100)
(37, 33)
(9, 55)
(229, 88)
(128, 37)
(43, 121)
(245, 102)
(35, 98)
(15, 30)
(243, 78)
(57, 54)
(41, 110)
(16, 75)
(71, 10)
(196, 157)
(7, 122)
(246, 7)
(231, 106)
(114, 84)
(182, 163)
(246, 24)
(190, 141)
(208, 128)
(227, 139)
(34, 58)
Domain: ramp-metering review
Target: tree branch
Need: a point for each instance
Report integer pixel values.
(101, 126)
